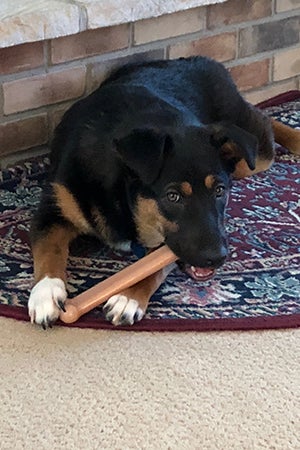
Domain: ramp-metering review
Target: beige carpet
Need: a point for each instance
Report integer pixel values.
(93, 389)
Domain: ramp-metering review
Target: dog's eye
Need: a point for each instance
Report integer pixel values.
(220, 190)
(173, 197)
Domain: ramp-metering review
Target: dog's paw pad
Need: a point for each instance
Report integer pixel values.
(46, 301)
(121, 310)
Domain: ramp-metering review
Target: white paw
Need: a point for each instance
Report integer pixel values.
(46, 301)
(121, 310)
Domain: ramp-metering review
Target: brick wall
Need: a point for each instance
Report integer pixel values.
(258, 40)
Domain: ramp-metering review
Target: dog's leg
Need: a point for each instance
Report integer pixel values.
(130, 305)
(242, 169)
(50, 252)
(283, 135)
(267, 130)
(286, 136)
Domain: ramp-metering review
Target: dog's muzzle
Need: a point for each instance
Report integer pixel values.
(202, 273)
(199, 273)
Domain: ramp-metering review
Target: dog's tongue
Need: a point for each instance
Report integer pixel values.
(200, 273)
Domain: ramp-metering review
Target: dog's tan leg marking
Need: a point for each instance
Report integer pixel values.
(144, 290)
(70, 208)
(130, 305)
(286, 136)
(242, 169)
(102, 226)
(50, 254)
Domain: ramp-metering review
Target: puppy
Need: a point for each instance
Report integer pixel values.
(149, 157)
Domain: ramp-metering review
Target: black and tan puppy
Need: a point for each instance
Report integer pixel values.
(148, 157)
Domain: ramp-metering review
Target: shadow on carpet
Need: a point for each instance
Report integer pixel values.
(258, 287)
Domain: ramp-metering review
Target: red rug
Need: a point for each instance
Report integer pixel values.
(257, 288)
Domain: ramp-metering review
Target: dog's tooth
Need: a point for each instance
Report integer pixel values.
(193, 268)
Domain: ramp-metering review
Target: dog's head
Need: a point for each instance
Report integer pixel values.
(186, 177)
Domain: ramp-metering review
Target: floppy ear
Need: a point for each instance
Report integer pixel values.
(143, 152)
(235, 144)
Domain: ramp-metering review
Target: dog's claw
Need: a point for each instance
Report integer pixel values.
(109, 317)
(105, 307)
(138, 316)
(46, 324)
(61, 305)
(121, 310)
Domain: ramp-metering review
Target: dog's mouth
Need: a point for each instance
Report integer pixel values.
(198, 273)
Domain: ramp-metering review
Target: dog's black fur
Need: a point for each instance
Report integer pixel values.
(152, 153)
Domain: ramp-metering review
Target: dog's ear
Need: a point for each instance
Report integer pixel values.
(235, 144)
(143, 152)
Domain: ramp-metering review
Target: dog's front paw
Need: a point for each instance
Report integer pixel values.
(121, 310)
(46, 301)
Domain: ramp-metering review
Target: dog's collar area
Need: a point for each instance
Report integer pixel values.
(138, 250)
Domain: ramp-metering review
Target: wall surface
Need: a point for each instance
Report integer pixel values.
(257, 40)
(36, 20)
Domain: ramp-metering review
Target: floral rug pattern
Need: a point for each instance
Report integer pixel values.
(260, 279)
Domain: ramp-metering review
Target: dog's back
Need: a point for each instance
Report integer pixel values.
(200, 84)
(161, 94)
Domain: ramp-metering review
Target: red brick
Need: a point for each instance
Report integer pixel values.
(23, 133)
(265, 93)
(286, 5)
(89, 43)
(40, 90)
(250, 76)
(21, 57)
(169, 25)
(269, 36)
(56, 115)
(286, 64)
(220, 47)
(235, 11)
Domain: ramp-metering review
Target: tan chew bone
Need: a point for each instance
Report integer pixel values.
(115, 284)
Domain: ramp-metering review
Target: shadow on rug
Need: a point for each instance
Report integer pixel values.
(258, 287)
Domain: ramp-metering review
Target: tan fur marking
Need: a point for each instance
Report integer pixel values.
(143, 291)
(186, 188)
(209, 181)
(50, 253)
(70, 208)
(102, 227)
(286, 136)
(229, 150)
(242, 169)
(150, 223)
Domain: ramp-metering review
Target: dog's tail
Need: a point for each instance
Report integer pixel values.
(286, 136)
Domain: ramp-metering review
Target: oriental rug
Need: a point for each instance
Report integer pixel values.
(258, 287)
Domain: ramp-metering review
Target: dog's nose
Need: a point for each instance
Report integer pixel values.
(215, 258)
